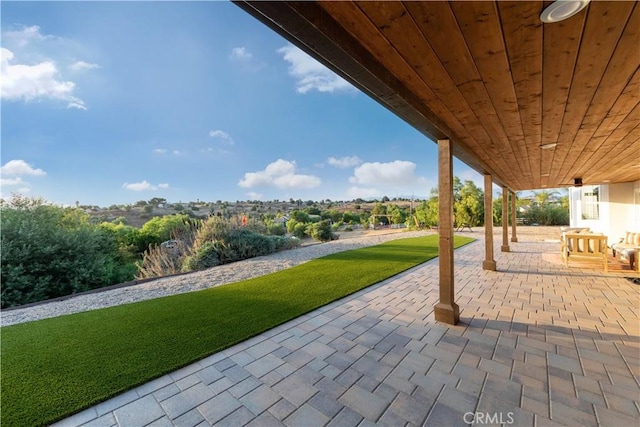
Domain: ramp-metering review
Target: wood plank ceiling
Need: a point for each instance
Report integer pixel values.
(492, 77)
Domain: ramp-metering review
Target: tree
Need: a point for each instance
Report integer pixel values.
(398, 215)
(544, 197)
(163, 228)
(380, 213)
(300, 216)
(157, 201)
(427, 212)
(468, 207)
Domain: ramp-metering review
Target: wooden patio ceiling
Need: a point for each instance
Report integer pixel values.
(491, 77)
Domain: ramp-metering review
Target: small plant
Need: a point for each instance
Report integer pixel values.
(158, 261)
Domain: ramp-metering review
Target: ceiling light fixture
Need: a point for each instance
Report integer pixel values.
(560, 10)
(549, 146)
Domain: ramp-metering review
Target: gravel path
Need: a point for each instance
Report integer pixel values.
(210, 278)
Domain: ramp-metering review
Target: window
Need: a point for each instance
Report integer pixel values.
(590, 202)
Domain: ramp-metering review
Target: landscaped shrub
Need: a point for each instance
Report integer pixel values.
(299, 230)
(321, 231)
(158, 261)
(248, 244)
(283, 243)
(205, 257)
(49, 251)
(547, 215)
(214, 228)
(231, 242)
(275, 229)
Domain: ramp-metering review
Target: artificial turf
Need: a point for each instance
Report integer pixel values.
(55, 367)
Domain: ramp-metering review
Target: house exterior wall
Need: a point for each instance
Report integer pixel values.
(617, 211)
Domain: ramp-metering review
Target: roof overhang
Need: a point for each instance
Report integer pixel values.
(491, 77)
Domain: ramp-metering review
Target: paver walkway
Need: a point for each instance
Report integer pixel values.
(538, 345)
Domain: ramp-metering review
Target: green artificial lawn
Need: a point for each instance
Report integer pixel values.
(55, 367)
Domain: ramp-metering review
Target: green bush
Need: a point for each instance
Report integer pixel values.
(547, 215)
(299, 230)
(275, 229)
(205, 257)
(283, 243)
(247, 244)
(321, 231)
(231, 242)
(48, 251)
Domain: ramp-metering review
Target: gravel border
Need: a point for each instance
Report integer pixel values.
(216, 276)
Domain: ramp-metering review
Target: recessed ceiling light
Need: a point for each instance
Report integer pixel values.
(549, 146)
(560, 10)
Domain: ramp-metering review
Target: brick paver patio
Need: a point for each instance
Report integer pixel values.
(538, 345)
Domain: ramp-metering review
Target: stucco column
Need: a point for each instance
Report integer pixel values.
(446, 310)
(489, 263)
(505, 220)
(514, 237)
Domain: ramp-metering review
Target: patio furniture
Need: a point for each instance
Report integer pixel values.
(629, 248)
(584, 245)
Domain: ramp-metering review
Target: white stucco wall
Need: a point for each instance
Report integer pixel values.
(619, 209)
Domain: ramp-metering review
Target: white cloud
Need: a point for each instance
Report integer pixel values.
(254, 196)
(222, 137)
(160, 150)
(344, 162)
(25, 35)
(11, 181)
(20, 167)
(279, 174)
(30, 82)
(241, 54)
(15, 169)
(177, 152)
(77, 103)
(310, 74)
(397, 173)
(83, 66)
(143, 186)
(471, 175)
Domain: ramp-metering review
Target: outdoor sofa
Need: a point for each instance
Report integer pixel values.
(629, 248)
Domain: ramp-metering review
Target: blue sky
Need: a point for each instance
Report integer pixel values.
(113, 102)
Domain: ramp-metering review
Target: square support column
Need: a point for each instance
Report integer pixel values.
(446, 310)
(505, 220)
(489, 263)
(514, 238)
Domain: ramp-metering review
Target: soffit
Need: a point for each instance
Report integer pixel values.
(492, 78)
